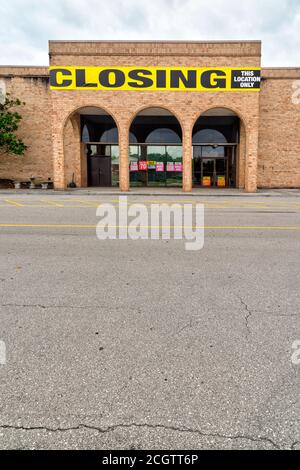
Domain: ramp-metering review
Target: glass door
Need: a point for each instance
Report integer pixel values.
(214, 172)
(208, 172)
(197, 166)
(221, 177)
(214, 166)
(156, 165)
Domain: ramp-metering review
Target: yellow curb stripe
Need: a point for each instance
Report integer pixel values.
(14, 203)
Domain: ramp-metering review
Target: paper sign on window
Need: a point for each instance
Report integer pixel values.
(221, 181)
(159, 166)
(178, 167)
(151, 165)
(134, 166)
(206, 181)
(143, 165)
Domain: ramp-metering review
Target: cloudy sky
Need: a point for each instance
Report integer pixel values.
(26, 25)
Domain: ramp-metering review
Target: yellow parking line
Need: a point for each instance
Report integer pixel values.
(51, 203)
(32, 206)
(48, 226)
(219, 227)
(89, 204)
(14, 203)
(208, 205)
(92, 201)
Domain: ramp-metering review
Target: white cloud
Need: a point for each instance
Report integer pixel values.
(26, 26)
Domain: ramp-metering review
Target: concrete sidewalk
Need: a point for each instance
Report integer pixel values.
(206, 192)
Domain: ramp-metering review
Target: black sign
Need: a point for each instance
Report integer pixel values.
(245, 79)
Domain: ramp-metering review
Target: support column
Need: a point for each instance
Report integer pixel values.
(76, 157)
(58, 155)
(241, 158)
(83, 165)
(251, 160)
(124, 157)
(187, 149)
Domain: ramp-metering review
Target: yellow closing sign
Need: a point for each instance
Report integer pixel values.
(155, 78)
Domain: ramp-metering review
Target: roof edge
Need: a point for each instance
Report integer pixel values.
(149, 41)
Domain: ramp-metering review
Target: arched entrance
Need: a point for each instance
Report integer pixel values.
(91, 148)
(216, 138)
(155, 149)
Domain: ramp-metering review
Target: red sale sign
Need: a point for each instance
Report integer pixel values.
(143, 166)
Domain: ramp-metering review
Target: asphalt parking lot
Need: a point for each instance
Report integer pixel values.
(142, 344)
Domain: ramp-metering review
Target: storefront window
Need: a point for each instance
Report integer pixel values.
(205, 136)
(92, 149)
(213, 152)
(214, 165)
(163, 135)
(110, 135)
(174, 166)
(155, 165)
(85, 134)
(134, 154)
(156, 152)
(115, 165)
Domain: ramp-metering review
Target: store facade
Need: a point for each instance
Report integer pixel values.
(157, 114)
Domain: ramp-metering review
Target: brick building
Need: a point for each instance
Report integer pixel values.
(157, 114)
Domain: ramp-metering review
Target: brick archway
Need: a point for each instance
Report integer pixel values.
(246, 156)
(158, 112)
(73, 164)
(66, 135)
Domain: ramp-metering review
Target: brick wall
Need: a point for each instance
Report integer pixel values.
(279, 129)
(50, 126)
(186, 106)
(31, 85)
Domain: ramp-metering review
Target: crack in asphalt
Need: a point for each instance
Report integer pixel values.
(54, 306)
(262, 312)
(279, 315)
(144, 425)
(294, 444)
(188, 325)
(247, 316)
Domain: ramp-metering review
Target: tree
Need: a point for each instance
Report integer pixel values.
(9, 124)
